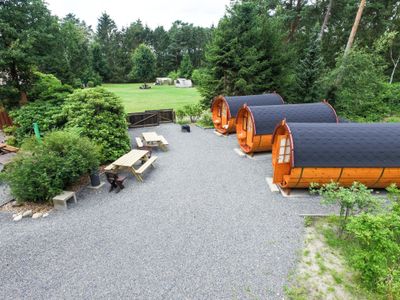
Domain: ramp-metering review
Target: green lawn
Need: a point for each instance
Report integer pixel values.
(158, 97)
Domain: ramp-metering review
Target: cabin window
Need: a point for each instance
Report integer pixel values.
(244, 124)
(284, 150)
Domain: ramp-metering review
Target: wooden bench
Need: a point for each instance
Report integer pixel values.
(139, 142)
(110, 167)
(60, 201)
(139, 172)
(163, 143)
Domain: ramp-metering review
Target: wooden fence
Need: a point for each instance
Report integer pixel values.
(151, 118)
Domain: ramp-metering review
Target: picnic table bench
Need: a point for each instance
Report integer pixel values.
(128, 160)
(152, 139)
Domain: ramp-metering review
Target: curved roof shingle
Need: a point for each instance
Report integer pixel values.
(267, 117)
(236, 102)
(346, 145)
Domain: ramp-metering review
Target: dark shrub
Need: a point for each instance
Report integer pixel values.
(46, 169)
(100, 116)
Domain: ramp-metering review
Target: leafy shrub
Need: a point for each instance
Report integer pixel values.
(173, 75)
(199, 76)
(47, 168)
(90, 84)
(77, 83)
(9, 130)
(99, 115)
(352, 200)
(376, 252)
(47, 87)
(391, 97)
(45, 113)
(205, 119)
(193, 111)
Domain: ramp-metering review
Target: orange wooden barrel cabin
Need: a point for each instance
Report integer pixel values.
(224, 108)
(256, 124)
(305, 153)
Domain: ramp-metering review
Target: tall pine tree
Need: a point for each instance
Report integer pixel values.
(309, 72)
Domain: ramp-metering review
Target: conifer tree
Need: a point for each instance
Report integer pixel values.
(309, 72)
(186, 67)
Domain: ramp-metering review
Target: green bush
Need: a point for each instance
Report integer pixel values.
(193, 111)
(391, 97)
(47, 168)
(353, 200)
(99, 115)
(173, 75)
(47, 87)
(199, 76)
(90, 84)
(205, 120)
(376, 248)
(45, 113)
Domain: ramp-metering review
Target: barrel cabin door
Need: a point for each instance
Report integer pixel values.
(282, 157)
(249, 130)
(224, 115)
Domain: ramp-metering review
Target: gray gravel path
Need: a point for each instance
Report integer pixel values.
(203, 226)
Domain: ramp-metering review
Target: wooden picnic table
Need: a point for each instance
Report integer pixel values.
(152, 139)
(128, 160)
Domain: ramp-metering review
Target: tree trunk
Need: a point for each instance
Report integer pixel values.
(395, 64)
(354, 28)
(326, 19)
(23, 99)
(295, 23)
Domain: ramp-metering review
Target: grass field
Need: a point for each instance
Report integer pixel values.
(158, 97)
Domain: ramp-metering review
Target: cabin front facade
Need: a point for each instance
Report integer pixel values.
(305, 153)
(255, 125)
(224, 109)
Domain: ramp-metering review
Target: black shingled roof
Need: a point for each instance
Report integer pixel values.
(346, 145)
(267, 117)
(236, 102)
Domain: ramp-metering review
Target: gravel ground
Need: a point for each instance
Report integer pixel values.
(203, 225)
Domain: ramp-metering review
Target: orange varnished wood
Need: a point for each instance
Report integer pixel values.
(248, 141)
(223, 121)
(288, 177)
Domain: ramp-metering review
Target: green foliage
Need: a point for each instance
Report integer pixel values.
(357, 86)
(390, 97)
(186, 67)
(47, 87)
(205, 120)
(173, 75)
(247, 54)
(353, 200)
(47, 168)
(376, 253)
(309, 72)
(45, 113)
(26, 41)
(144, 64)
(372, 246)
(100, 116)
(193, 111)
